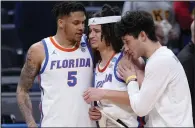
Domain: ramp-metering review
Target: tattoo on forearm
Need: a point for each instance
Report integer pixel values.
(27, 77)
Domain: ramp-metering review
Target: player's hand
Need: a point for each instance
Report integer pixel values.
(126, 70)
(93, 94)
(94, 114)
(125, 60)
(133, 67)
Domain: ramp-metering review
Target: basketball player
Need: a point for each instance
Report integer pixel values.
(62, 62)
(164, 94)
(110, 90)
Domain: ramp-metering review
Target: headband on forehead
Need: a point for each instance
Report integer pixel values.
(103, 20)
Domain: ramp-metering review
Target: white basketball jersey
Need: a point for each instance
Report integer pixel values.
(65, 74)
(107, 79)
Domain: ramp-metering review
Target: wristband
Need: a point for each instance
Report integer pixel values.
(130, 77)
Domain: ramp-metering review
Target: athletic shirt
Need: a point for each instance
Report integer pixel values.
(164, 94)
(107, 78)
(65, 74)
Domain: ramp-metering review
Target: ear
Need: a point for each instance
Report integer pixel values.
(61, 23)
(142, 36)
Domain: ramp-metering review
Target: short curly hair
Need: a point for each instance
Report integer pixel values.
(133, 22)
(65, 8)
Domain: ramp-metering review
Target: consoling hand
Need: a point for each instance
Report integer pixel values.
(127, 67)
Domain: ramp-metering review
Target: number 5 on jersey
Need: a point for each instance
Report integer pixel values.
(72, 80)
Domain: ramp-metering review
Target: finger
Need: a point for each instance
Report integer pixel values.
(95, 113)
(127, 62)
(120, 70)
(95, 118)
(88, 101)
(87, 91)
(126, 67)
(96, 110)
(87, 96)
(92, 108)
(121, 67)
(120, 75)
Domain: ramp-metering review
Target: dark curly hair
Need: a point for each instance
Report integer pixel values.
(133, 22)
(65, 8)
(108, 31)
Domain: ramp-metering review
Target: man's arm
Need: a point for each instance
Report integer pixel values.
(96, 94)
(28, 74)
(155, 82)
(119, 97)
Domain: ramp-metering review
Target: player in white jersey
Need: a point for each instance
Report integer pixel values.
(114, 101)
(65, 69)
(164, 94)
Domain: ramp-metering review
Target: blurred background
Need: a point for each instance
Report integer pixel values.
(26, 22)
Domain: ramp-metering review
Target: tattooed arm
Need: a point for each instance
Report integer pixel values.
(30, 69)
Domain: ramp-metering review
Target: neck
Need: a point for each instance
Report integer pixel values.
(61, 39)
(106, 54)
(151, 48)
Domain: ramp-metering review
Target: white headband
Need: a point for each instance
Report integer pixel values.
(104, 20)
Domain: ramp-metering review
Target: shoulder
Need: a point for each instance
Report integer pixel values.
(36, 52)
(37, 48)
(162, 62)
